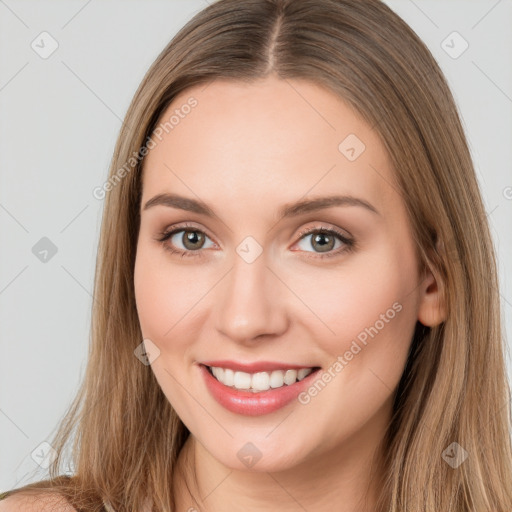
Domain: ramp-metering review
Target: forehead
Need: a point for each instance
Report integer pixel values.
(270, 138)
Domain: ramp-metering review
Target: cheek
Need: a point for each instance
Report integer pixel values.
(162, 307)
(158, 295)
(372, 298)
(169, 298)
(371, 309)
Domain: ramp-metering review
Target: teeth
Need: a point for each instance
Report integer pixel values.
(229, 377)
(276, 379)
(260, 381)
(303, 372)
(242, 380)
(290, 377)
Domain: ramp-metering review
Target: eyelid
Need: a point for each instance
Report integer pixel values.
(185, 226)
(346, 239)
(343, 233)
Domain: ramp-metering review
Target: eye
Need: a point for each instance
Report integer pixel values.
(185, 240)
(324, 241)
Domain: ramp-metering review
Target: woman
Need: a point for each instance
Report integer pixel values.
(292, 247)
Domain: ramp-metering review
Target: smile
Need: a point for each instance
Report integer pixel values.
(262, 389)
(260, 381)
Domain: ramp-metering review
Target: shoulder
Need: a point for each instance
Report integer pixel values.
(42, 502)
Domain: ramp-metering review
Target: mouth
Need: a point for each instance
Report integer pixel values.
(259, 381)
(262, 389)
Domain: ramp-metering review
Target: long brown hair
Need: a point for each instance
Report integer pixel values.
(127, 437)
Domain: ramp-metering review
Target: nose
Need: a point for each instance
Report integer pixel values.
(251, 302)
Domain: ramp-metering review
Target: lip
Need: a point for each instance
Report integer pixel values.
(254, 404)
(258, 366)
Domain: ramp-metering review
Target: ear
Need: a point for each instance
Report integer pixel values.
(431, 310)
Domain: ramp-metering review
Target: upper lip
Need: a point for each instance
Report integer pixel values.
(256, 366)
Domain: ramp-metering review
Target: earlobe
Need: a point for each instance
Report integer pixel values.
(431, 310)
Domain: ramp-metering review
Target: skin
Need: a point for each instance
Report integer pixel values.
(246, 151)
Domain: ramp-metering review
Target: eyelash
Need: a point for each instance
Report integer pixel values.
(349, 244)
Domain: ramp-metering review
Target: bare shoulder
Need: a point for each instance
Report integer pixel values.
(43, 502)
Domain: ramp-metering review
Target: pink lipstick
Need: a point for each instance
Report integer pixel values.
(256, 403)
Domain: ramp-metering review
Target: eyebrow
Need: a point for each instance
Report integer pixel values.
(288, 210)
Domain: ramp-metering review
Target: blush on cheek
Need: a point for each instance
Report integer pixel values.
(371, 331)
(154, 306)
(383, 346)
(350, 311)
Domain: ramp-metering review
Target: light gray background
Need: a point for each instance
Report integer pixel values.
(60, 117)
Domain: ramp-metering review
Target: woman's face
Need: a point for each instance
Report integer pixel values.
(244, 174)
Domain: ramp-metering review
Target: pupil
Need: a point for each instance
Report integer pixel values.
(192, 237)
(325, 241)
(324, 246)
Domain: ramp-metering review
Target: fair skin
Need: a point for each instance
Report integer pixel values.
(246, 150)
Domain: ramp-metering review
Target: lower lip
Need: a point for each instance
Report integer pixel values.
(254, 404)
